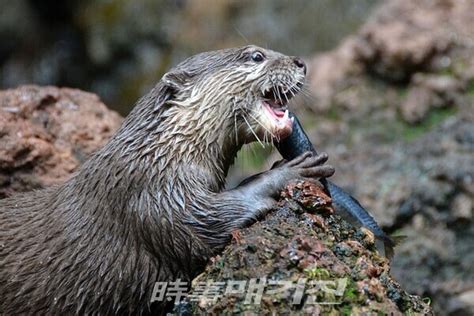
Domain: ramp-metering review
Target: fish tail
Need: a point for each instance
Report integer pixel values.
(389, 243)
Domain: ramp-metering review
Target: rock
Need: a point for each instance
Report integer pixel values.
(463, 206)
(430, 91)
(462, 302)
(329, 72)
(304, 257)
(417, 54)
(46, 132)
(404, 36)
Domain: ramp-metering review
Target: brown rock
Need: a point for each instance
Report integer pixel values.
(329, 71)
(404, 36)
(402, 39)
(46, 132)
(428, 92)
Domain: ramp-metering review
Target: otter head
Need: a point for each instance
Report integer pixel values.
(244, 90)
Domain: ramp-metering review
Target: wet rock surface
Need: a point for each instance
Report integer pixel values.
(46, 132)
(304, 243)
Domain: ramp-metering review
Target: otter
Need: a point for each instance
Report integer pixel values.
(151, 204)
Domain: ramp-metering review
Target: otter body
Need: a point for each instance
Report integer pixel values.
(150, 205)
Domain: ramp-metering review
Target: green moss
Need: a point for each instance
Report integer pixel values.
(402, 92)
(396, 130)
(435, 117)
(352, 294)
(470, 88)
(459, 66)
(333, 114)
(346, 310)
(447, 71)
(317, 273)
(219, 264)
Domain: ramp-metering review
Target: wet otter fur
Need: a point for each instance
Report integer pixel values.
(150, 205)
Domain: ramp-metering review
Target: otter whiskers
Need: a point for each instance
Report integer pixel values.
(253, 132)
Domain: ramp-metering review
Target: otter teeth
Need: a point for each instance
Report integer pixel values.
(286, 115)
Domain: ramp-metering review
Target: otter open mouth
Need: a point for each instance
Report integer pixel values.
(275, 103)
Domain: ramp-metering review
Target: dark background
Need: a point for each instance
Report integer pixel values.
(119, 49)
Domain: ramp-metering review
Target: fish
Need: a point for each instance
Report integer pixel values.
(344, 204)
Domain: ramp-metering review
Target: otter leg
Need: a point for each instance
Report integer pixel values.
(245, 204)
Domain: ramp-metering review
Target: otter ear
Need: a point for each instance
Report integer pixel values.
(175, 79)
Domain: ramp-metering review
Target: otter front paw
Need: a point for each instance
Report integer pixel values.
(308, 166)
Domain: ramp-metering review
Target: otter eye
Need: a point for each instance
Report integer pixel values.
(257, 56)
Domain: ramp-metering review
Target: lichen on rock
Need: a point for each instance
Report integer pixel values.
(311, 262)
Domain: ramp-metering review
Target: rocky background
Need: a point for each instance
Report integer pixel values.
(392, 104)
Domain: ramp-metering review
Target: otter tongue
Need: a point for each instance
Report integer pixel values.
(274, 108)
(277, 107)
(279, 113)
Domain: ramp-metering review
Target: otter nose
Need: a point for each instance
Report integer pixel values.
(300, 63)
